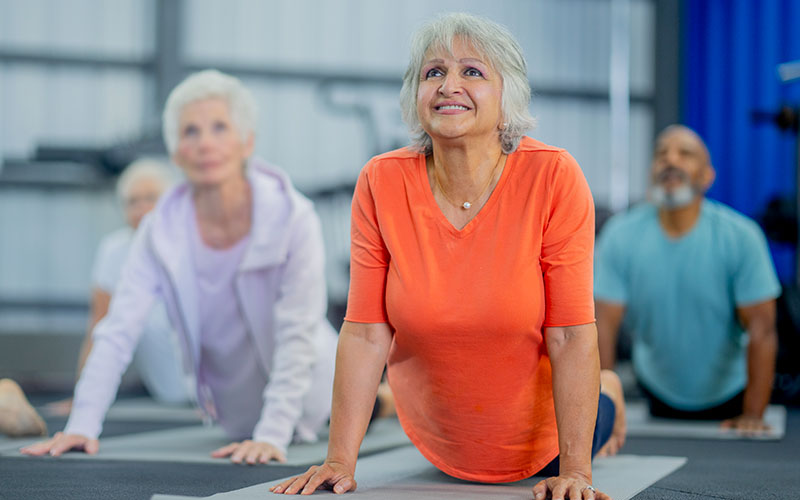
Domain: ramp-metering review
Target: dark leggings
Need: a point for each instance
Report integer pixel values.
(603, 426)
(728, 409)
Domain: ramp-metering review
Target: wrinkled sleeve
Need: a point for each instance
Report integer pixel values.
(369, 257)
(299, 309)
(115, 338)
(567, 246)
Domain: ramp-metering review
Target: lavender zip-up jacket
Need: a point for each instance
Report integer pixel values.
(280, 288)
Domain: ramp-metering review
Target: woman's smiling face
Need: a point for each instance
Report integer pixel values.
(460, 94)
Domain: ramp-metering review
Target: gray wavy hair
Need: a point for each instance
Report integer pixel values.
(505, 56)
(208, 84)
(145, 168)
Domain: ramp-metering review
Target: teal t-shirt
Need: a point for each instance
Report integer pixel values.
(681, 295)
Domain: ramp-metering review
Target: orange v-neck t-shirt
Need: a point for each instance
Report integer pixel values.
(468, 364)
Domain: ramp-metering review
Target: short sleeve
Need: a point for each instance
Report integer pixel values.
(369, 257)
(610, 281)
(108, 263)
(567, 247)
(755, 279)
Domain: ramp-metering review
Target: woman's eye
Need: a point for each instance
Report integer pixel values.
(190, 131)
(432, 73)
(473, 72)
(220, 127)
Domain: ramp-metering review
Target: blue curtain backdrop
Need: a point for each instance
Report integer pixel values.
(730, 50)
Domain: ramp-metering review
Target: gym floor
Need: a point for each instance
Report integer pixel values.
(730, 470)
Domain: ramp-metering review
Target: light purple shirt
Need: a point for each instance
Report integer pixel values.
(229, 365)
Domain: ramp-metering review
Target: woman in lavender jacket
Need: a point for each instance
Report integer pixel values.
(237, 256)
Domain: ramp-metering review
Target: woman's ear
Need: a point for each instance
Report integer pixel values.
(249, 145)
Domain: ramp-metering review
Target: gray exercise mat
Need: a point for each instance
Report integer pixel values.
(641, 424)
(145, 410)
(148, 410)
(405, 474)
(194, 445)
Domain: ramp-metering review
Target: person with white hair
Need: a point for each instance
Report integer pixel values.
(236, 255)
(471, 274)
(157, 357)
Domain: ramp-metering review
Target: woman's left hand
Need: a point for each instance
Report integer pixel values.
(567, 487)
(250, 452)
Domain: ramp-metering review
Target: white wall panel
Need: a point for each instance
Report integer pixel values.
(565, 41)
(66, 105)
(643, 28)
(641, 154)
(83, 27)
(49, 239)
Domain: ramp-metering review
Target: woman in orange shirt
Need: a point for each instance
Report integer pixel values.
(471, 273)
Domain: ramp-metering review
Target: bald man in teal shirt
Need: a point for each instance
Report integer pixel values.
(693, 281)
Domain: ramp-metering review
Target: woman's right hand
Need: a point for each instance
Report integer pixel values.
(60, 443)
(330, 475)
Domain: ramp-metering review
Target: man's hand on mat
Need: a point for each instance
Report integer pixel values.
(330, 475)
(250, 452)
(747, 425)
(61, 443)
(567, 486)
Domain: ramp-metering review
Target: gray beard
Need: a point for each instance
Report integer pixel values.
(679, 198)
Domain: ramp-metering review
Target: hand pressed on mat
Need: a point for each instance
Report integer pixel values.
(250, 452)
(330, 475)
(61, 443)
(746, 425)
(567, 486)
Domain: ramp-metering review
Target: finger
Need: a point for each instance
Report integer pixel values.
(344, 485)
(315, 481)
(224, 451)
(66, 443)
(91, 447)
(299, 482)
(278, 488)
(727, 424)
(558, 490)
(279, 456)
(575, 492)
(39, 448)
(240, 453)
(540, 490)
(588, 494)
(599, 495)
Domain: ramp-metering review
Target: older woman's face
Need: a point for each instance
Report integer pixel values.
(460, 94)
(141, 197)
(210, 149)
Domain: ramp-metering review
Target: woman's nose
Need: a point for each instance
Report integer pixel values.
(451, 84)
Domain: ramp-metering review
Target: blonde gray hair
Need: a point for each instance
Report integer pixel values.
(144, 168)
(209, 84)
(504, 54)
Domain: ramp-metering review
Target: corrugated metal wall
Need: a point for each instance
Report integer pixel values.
(47, 241)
